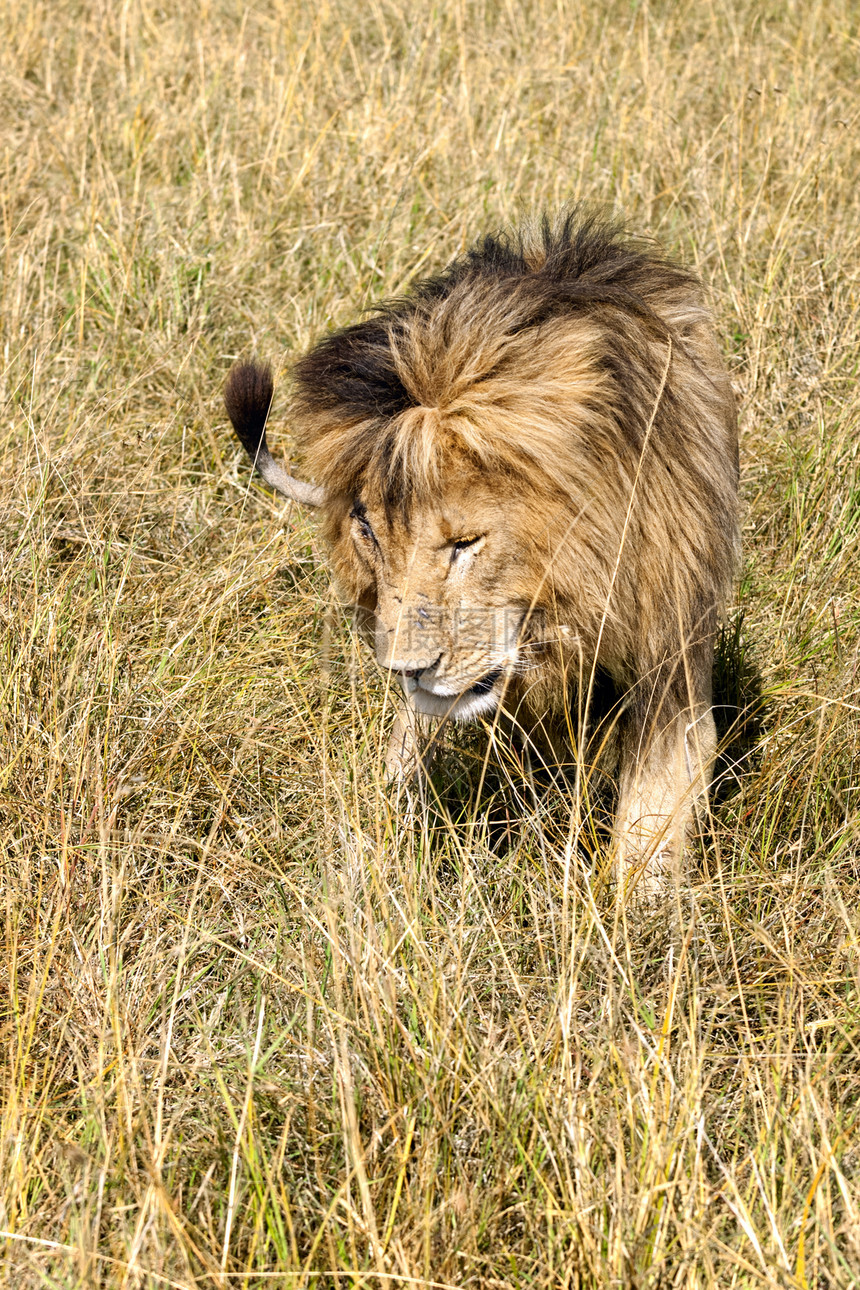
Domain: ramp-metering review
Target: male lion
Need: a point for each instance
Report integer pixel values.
(528, 472)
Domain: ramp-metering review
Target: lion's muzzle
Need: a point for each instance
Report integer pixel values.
(450, 664)
(435, 697)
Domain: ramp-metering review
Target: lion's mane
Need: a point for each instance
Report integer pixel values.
(572, 360)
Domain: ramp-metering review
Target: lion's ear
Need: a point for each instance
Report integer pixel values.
(248, 397)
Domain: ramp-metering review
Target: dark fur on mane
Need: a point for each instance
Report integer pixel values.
(532, 352)
(576, 263)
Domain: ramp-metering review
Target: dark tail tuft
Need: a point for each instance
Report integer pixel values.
(248, 397)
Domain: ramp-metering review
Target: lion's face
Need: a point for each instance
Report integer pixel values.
(449, 590)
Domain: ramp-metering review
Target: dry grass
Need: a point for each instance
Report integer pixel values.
(260, 1027)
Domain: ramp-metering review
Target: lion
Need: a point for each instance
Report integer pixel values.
(528, 474)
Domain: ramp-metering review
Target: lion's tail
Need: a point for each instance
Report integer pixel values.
(248, 398)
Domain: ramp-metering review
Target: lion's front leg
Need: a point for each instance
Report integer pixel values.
(411, 744)
(665, 775)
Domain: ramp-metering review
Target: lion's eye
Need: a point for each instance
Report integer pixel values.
(463, 543)
(358, 514)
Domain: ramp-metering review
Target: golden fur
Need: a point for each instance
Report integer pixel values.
(529, 472)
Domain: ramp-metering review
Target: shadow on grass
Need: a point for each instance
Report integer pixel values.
(507, 785)
(740, 708)
(515, 785)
